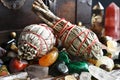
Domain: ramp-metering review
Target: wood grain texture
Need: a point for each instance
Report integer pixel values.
(83, 12)
(66, 9)
(17, 19)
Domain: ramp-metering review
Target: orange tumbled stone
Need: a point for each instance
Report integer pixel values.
(49, 58)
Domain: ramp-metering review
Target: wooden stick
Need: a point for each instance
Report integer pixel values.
(43, 9)
(43, 5)
(45, 20)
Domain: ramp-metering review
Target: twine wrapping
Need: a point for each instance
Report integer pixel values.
(35, 41)
(78, 41)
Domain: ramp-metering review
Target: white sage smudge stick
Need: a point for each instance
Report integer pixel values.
(35, 41)
(78, 41)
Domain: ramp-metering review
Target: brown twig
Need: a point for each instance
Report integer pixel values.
(44, 6)
(41, 8)
(45, 20)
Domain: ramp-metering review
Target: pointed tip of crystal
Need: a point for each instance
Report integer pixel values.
(98, 6)
(112, 3)
(101, 6)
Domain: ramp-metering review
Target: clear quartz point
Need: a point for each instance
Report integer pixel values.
(100, 74)
(115, 73)
(19, 76)
(37, 71)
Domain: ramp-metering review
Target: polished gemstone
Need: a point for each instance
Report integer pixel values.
(77, 67)
(63, 57)
(17, 65)
(49, 58)
(112, 21)
(62, 68)
(36, 71)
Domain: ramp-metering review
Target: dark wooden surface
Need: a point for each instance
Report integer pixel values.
(71, 10)
(17, 19)
(66, 9)
(83, 12)
(5, 35)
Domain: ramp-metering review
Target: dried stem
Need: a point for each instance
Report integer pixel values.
(77, 41)
(45, 20)
(44, 6)
(43, 12)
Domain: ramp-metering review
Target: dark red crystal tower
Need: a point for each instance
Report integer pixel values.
(112, 21)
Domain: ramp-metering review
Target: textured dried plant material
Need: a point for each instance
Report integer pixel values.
(35, 41)
(78, 41)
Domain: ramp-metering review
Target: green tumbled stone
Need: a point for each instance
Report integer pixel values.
(77, 67)
(63, 57)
